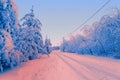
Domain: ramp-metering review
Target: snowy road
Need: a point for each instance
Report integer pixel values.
(62, 66)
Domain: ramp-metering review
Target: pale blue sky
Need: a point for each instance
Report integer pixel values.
(60, 17)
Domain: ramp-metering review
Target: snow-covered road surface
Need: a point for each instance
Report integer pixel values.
(63, 66)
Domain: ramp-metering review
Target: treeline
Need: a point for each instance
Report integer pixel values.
(22, 40)
(100, 39)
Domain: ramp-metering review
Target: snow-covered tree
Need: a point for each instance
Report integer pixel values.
(30, 41)
(100, 39)
(47, 46)
(64, 45)
(8, 33)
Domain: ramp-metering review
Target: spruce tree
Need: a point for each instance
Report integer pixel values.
(30, 38)
(8, 32)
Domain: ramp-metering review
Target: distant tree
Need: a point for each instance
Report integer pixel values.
(64, 45)
(48, 47)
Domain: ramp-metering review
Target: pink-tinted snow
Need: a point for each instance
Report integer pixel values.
(64, 66)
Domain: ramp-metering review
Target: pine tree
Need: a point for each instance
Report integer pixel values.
(30, 40)
(48, 46)
(8, 32)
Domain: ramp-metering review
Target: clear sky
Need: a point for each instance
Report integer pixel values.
(60, 17)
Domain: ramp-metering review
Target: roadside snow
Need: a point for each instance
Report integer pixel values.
(63, 66)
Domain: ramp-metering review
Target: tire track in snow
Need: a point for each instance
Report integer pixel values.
(94, 68)
(83, 69)
(73, 68)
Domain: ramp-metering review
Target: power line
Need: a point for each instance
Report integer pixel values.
(90, 17)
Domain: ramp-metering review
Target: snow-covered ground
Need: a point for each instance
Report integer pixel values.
(63, 66)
